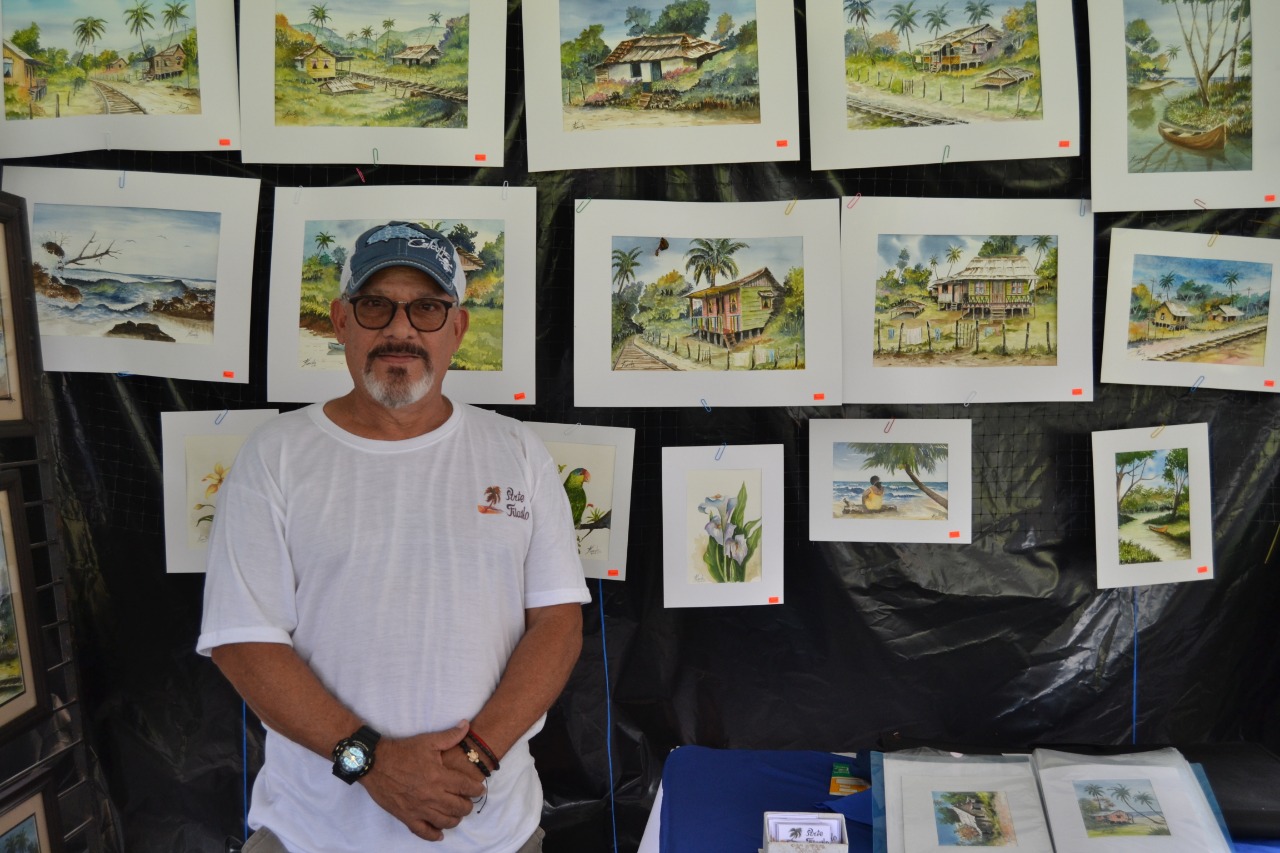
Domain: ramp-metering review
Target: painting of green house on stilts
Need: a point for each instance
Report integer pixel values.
(733, 312)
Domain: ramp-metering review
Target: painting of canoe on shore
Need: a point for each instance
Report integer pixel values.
(1188, 68)
(979, 63)
(1153, 502)
(129, 57)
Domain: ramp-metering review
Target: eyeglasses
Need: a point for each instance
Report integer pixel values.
(376, 312)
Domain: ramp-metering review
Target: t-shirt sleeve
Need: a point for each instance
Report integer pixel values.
(553, 570)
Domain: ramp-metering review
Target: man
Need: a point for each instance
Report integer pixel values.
(400, 640)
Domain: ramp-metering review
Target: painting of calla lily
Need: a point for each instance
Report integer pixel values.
(731, 540)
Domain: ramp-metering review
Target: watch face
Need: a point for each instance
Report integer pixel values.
(353, 757)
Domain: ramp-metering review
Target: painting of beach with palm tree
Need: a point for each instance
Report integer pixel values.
(707, 303)
(889, 480)
(112, 57)
(908, 64)
(1113, 808)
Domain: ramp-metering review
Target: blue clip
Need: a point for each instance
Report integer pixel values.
(705, 404)
(1196, 384)
(969, 399)
(720, 452)
(218, 420)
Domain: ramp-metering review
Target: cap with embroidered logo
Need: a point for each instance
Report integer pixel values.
(404, 244)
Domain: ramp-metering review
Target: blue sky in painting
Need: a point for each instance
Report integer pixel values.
(57, 18)
(577, 15)
(923, 246)
(779, 254)
(151, 241)
(1255, 278)
(354, 15)
(1163, 20)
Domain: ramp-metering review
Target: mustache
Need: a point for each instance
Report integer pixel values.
(399, 348)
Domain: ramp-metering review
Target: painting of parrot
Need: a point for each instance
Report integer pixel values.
(577, 495)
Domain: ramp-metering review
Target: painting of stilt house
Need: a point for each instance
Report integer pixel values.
(167, 63)
(969, 47)
(1171, 315)
(991, 287)
(728, 313)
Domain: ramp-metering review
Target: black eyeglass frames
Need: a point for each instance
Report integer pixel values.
(376, 312)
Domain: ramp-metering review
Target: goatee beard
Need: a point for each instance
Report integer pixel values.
(396, 390)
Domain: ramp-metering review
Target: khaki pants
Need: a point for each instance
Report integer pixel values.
(265, 841)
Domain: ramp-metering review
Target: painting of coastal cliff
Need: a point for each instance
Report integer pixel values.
(125, 272)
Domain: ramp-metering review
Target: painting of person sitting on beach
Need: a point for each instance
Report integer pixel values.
(895, 487)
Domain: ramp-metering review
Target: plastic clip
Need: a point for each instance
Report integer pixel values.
(218, 420)
(853, 202)
(889, 425)
(705, 404)
(582, 205)
(122, 174)
(720, 452)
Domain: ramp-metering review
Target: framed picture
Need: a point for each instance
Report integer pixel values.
(199, 449)
(29, 816)
(890, 481)
(23, 697)
(18, 362)
(356, 83)
(139, 272)
(967, 300)
(693, 304)
(609, 84)
(118, 74)
(994, 82)
(722, 525)
(1190, 310)
(596, 463)
(1157, 526)
(1183, 114)
(315, 229)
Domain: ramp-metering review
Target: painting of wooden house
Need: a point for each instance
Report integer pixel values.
(968, 47)
(116, 68)
(22, 72)
(991, 287)
(1226, 314)
(166, 63)
(728, 313)
(1115, 818)
(418, 54)
(1171, 315)
(320, 63)
(1003, 77)
(647, 58)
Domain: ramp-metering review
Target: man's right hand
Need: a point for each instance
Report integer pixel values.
(410, 780)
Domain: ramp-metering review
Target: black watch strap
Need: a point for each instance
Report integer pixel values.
(367, 736)
(365, 739)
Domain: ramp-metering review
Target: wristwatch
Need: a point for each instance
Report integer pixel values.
(353, 756)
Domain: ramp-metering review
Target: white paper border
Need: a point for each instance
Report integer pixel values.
(677, 462)
(835, 146)
(174, 429)
(1114, 188)
(236, 199)
(218, 121)
(1118, 366)
(956, 529)
(623, 441)
(479, 144)
(1194, 437)
(287, 382)
(595, 383)
(552, 147)
(863, 220)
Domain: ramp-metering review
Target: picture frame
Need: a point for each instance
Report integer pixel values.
(168, 259)
(992, 328)
(29, 814)
(23, 696)
(952, 127)
(21, 362)
(1143, 535)
(496, 363)
(693, 339)
(597, 463)
(891, 481)
(1216, 336)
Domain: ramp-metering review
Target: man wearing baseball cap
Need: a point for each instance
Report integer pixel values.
(394, 586)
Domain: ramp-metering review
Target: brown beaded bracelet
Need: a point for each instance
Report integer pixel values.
(474, 758)
(484, 747)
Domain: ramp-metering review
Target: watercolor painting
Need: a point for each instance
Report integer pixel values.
(1204, 310)
(683, 64)
(899, 480)
(13, 681)
(965, 66)
(714, 303)
(723, 538)
(326, 247)
(588, 482)
(1113, 808)
(1153, 502)
(125, 272)
(995, 304)
(1189, 72)
(129, 57)
(23, 838)
(973, 819)
(209, 459)
(345, 63)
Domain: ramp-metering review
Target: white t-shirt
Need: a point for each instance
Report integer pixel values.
(400, 571)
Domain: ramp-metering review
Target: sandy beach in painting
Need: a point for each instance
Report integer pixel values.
(920, 508)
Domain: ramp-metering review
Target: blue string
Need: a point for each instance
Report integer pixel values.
(1135, 666)
(244, 761)
(608, 708)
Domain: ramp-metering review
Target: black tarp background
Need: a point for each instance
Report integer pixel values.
(1003, 642)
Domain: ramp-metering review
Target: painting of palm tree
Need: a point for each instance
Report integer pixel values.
(1112, 808)
(869, 480)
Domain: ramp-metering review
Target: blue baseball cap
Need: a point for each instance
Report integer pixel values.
(405, 244)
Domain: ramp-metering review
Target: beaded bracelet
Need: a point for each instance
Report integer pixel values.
(474, 758)
(484, 747)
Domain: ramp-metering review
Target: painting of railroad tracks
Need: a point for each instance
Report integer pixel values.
(349, 63)
(128, 57)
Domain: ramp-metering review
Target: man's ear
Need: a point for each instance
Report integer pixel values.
(461, 322)
(338, 317)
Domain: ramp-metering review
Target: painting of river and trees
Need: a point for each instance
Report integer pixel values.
(1202, 310)
(708, 303)
(1188, 68)
(907, 65)
(1153, 501)
(349, 63)
(687, 63)
(947, 300)
(112, 57)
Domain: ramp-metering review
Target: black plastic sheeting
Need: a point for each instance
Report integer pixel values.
(1004, 642)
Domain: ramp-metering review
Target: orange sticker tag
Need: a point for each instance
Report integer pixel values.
(225, 143)
(519, 395)
(1064, 143)
(1077, 392)
(480, 158)
(955, 534)
(1268, 383)
(1269, 197)
(228, 374)
(1204, 570)
(773, 599)
(783, 143)
(613, 573)
(819, 396)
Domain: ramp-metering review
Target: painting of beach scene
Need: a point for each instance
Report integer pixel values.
(1115, 808)
(707, 303)
(894, 480)
(910, 65)
(348, 63)
(966, 301)
(1189, 73)
(679, 64)
(1153, 502)
(125, 272)
(112, 57)
(327, 245)
(973, 819)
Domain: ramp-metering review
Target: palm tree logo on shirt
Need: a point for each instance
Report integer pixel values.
(492, 495)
